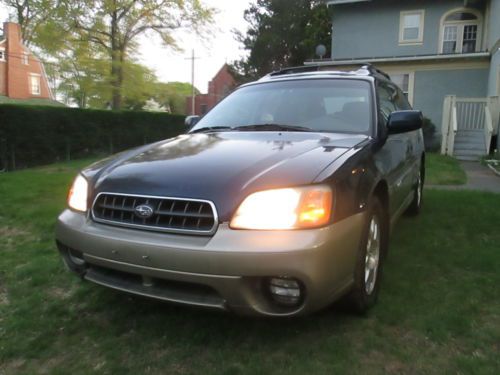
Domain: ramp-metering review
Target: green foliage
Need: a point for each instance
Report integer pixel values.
(438, 311)
(443, 170)
(41, 21)
(429, 130)
(39, 135)
(115, 26)
(90, 46)
(282, 33)
(173, 95)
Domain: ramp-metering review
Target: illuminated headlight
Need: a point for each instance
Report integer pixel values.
(77, 197)
(290, 208)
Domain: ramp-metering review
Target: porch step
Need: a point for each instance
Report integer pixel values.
(467, 158)
(470, 134)
(469, 145)
(465, 145)
(469, 152)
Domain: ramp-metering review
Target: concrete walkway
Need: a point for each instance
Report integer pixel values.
(479, 177)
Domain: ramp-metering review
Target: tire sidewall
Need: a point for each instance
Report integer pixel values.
(360, 298)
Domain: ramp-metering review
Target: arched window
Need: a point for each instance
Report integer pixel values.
(461, 31)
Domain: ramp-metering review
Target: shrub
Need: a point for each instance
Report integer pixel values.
(31, 136)
(429, 130)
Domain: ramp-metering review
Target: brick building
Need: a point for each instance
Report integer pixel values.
(22, 75)
(218, 88)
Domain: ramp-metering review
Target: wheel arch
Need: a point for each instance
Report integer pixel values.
(381, 191)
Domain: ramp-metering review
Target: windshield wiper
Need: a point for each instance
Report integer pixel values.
(273, 127)
(211, 129)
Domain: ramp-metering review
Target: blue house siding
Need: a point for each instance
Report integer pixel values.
(432, 86)
(494, 76)
(494, 22)
(368, 31)
(371, 29)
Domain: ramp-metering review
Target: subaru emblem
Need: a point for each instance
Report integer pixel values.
(144, 211)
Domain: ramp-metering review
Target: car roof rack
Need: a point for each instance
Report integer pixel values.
(365, 67)
(373, 70)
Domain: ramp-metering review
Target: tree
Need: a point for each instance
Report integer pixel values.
(153, 106)
(282, 33)
(85, 80)
(42, 22)
(115, 25)
(173, 95)
(88, 46)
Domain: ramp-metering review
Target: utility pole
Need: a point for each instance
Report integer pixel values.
(193, 92)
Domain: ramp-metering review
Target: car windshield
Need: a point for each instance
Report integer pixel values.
(319, 105)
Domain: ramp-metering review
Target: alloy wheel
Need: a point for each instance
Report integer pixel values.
(372, 257)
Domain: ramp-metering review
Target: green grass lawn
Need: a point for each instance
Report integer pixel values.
(438, 312)
(443, 170)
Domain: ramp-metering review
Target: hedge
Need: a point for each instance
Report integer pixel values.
(35, 135)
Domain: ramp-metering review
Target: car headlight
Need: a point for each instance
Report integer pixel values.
(78, 194)
(290, 208)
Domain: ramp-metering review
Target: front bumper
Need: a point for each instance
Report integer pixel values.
(225, 271)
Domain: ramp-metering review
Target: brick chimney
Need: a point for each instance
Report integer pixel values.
(17, 79)
(12, 31)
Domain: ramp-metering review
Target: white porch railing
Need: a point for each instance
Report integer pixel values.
(449, 125)
(468, 114)
(488, 129)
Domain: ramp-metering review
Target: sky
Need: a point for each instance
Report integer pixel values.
(172, 65)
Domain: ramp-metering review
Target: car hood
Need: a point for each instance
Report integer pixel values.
(221, 167)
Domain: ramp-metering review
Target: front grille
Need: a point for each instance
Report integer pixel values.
(168, 214)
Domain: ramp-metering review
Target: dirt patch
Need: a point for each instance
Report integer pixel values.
(7, 231)
(4, 297)
(55, 169)
(60, 293)
(12, 367)
(10, 237)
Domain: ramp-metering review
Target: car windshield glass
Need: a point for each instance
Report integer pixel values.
(323, 105)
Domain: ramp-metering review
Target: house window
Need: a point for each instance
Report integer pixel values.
(411, 28)
(405, 81)
(402, 81)
(35, 87)
(25, 58)
(204, 109)
(2, 55)
(460, 32)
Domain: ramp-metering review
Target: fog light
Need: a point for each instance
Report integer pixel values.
(285, 291)
(73, 259)
(76, 257)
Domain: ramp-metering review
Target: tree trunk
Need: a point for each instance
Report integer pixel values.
(117, 81)
(116, 65)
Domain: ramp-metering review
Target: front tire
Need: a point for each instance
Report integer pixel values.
(371, 254)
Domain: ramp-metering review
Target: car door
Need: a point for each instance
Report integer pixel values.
(393, 158)
(412, 154)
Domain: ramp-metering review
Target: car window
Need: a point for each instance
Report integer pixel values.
(327, 105)
(386, 96)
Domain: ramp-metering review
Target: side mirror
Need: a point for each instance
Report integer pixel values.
(404, 121)
(191, 121)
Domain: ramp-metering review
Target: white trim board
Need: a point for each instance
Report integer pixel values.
(400, 59)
